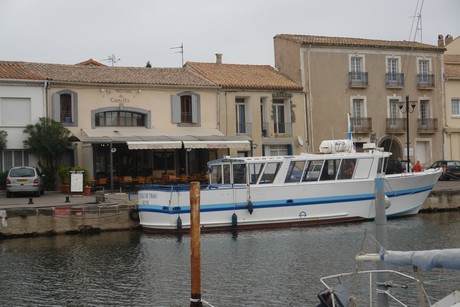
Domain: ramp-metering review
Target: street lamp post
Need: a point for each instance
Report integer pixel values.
(406, 110)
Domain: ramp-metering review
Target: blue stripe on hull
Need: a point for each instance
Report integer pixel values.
(280, 203)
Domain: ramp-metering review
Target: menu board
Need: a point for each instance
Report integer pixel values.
(76, 182)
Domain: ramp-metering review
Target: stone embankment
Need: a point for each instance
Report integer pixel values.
(56, 213)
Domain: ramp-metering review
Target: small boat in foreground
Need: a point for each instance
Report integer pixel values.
(334, 186)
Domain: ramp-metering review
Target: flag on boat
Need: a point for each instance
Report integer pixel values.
(350, 133)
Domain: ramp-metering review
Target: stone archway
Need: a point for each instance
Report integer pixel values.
(392, 145)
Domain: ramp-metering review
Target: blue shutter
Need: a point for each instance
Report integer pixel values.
(175, 109)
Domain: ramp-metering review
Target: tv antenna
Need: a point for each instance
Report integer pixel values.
(181, 51)
(418, 16)
(112, 59)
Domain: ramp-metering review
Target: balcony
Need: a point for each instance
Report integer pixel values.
(361, 124)
(395, 125)
(283, 129)
(357, 79)
(425, 81)
(427, 125)
(395, 80)
(244, 129)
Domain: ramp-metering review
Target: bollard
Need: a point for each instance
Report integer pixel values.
(31, 202)
(67, 199)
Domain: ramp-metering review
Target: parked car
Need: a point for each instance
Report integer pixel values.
(24, 179)
(451, 169)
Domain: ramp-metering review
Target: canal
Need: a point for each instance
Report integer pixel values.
(253, 268)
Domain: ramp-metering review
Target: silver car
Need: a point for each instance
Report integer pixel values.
(24, 179)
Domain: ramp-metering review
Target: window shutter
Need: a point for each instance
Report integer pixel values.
(175, 109)
(195, 109)
(56, 107)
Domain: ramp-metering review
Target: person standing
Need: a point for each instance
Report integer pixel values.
(417, 167)
(398, 166)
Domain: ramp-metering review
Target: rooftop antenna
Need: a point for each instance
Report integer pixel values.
(112, 59)
(418, 26)
(181, 51)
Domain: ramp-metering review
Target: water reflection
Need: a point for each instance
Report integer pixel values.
(251, 268)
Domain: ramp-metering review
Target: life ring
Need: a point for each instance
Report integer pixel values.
(134, 214)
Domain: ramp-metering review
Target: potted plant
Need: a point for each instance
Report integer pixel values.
(64, 175)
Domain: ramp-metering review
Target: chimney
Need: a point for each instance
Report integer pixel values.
(440, 41)
(218, 58)
(449, 39)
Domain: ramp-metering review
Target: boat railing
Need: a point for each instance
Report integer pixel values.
(186, 187)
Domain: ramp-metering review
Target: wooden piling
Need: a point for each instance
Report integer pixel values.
(195, 298)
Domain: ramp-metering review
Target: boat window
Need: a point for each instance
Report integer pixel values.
(226, 168)
(295, 171)
(254, 172)
(313, 170)
(347, 169)
(379, 166)
(216, 174)
(269, 173)
(330, 170)
(239, 173)
(363, 168)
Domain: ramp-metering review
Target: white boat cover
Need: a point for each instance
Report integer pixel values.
(425, 260)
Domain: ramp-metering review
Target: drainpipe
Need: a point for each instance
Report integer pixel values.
(46, 87)
(218, 109)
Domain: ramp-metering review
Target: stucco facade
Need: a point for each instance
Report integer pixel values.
(452, 99)
(367, 79)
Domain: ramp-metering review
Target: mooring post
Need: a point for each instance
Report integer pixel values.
(381, 236)
(195, 298)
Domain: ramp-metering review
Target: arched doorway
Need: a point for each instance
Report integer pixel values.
(392, 145)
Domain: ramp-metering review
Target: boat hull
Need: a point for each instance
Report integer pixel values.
(300, 204)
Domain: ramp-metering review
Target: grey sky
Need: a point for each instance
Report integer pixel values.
(137, 31)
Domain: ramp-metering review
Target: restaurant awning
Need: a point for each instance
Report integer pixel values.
(154, 145)
(143, 138)
(242, 144)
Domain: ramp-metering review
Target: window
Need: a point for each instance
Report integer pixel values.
(393, 69)
(313, 170)
(356, 68)
(120, 118)
(423, 69)
(278, 116)
(269, 173)
(358, 111)
(264, 116)
(240, 116)
(347, 168)
(456, 107)
(295, 171)
(11, 158)
(65, 107)
(394, 112)
(185, 108)
(424, 112)
(330, 170)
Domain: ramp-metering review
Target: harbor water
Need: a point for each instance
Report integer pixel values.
(279, 267)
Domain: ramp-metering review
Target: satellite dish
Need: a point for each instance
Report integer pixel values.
(300, 140)
(113, 150)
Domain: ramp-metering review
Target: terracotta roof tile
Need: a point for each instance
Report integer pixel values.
(452, 72)
(452, 58)
(102, 74)
(16, 70)
(357, 42)
(246, 77)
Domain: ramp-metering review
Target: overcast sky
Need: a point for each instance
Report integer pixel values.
(137, 31)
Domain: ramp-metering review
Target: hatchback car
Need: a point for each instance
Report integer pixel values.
(24, 179)
(451, 169)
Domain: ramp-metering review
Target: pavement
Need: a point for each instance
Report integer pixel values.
(56, 198)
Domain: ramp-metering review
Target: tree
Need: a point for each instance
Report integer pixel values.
(48, 140)
(3, 135)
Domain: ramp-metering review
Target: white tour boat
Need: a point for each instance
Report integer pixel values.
(336, 185)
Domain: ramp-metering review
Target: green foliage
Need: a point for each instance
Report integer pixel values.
(49, 179)
(3, 135)
(48, 141)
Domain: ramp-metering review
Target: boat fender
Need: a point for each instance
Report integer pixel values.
(179, 223)
(387, 202)
(250, 207)
(234, 220)
(134, 214)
